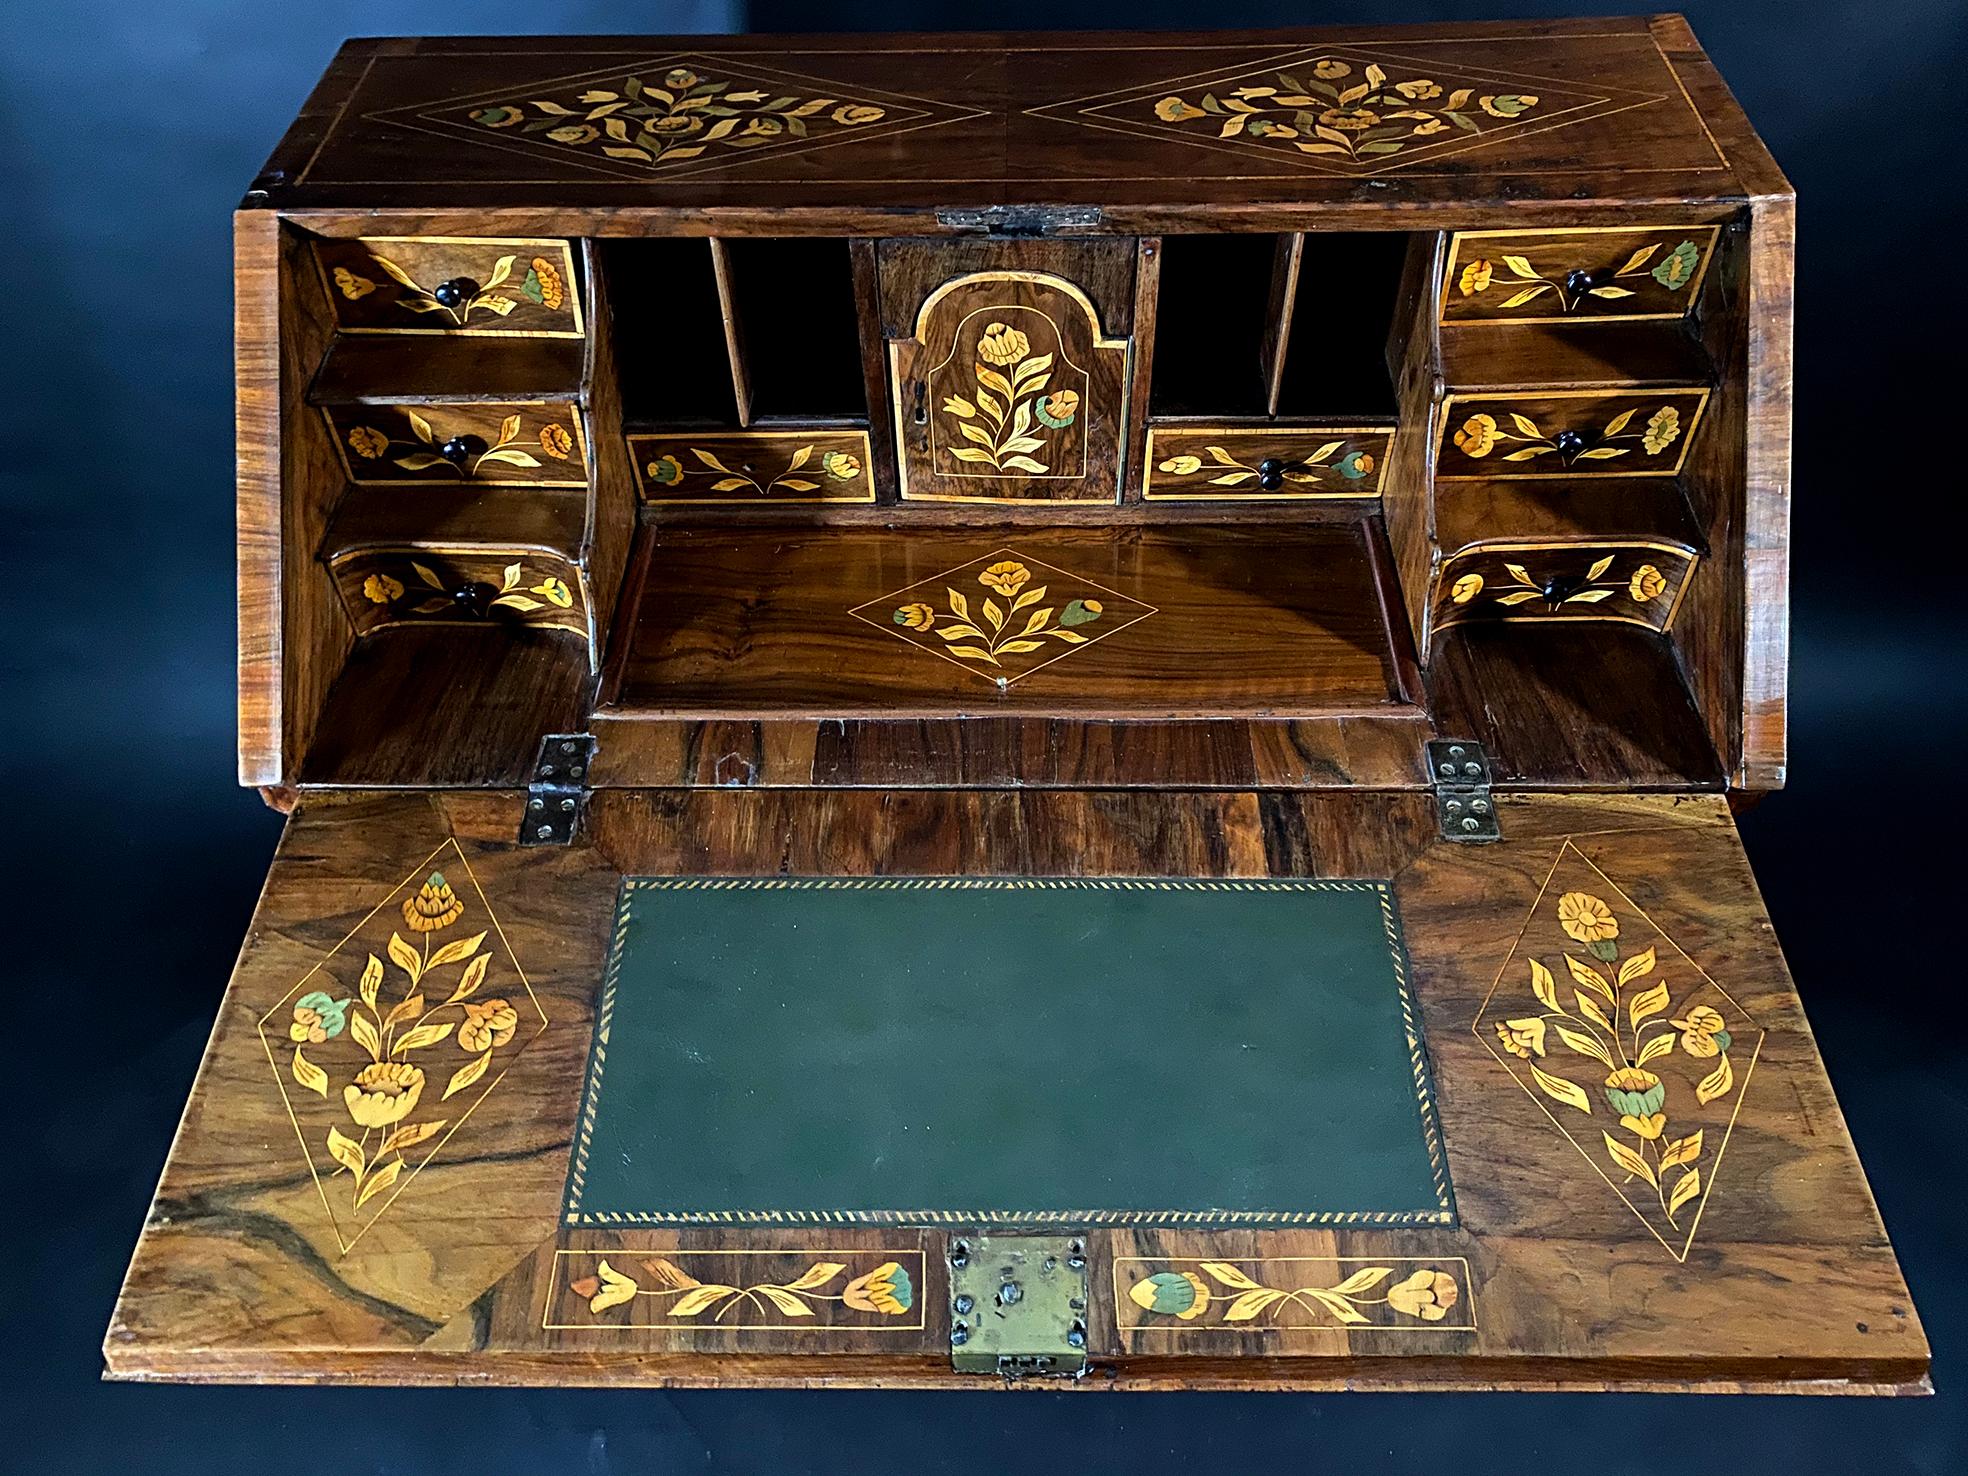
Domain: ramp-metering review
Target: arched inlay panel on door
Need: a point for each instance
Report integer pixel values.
(1010, 392)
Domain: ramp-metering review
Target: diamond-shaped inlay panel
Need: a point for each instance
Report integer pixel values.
(1630, 1049)
(1004, 615)
(677, 114)
(1347, 110)
(387, 1046)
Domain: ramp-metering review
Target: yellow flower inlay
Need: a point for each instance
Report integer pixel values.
(1647, 583)
(556, 441)
(1584, 917)
(1475, 277)
(368, 442)
(1663, 429)
(1522, 1038)
(1001, 345)
(487, 1024)
(434, 907)
(1427, 1294)
(1477, 436)
(885, 1289)
(1006, 577)
(383, 1093)
(380, 589)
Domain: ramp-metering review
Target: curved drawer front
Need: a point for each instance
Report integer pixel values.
(540, 445)
(1583, 275)
(492, 286)
(753, 467)
(1632, 582)
(1567, 433)
(1242, 464)
(418, 584)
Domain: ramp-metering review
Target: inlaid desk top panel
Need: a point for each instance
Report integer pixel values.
(371, 1178)
(1143, 125)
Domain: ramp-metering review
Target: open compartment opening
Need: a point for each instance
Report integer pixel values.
(670, 356)
(1335, 352)
(1211, 316)
(794, 331)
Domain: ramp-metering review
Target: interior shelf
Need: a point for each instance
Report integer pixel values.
(385, 369)
(1563, 511)
(1483, 356)
(1180, 620)
(1564, 703)
(448, 705)
(474, 516)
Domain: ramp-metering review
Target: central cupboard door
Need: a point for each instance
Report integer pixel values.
(1010, 365)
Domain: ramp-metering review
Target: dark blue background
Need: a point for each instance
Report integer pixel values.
(127, 132)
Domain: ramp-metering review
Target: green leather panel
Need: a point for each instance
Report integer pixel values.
(1007, 1052)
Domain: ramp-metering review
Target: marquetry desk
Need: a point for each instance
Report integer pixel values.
(1036, 707)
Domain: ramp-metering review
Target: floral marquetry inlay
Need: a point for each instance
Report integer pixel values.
(1625, 1044)
(676, 114)
(754, 466)
(489, 286)
(1349, 110)
(1637, 583)
(1585, 274)
(386, 1047)
(739, 1290)
(1003, 616)
(1568, 433)
(1276, 1292)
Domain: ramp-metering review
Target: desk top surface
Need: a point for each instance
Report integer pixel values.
(1108, 131)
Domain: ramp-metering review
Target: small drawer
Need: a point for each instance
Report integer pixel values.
(1629, 581)
(754, 467)
(426, 585)
(537, 444)
(1245, 464)
(489, 286)
(1567, 433)
(1584, 275)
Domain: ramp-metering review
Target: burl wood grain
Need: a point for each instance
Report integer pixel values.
(1787, 1283)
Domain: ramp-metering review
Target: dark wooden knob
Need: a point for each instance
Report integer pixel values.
(1579, 280)
(1271, 472)
(456, 292)
(1560, 588)
(1569, 443)
(472, 598)
(460, 449)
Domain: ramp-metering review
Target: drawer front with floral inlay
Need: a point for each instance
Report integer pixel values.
(1568, 433)
(1585, 275)
(1636, 582)
(461, 586)
(541, 445)
(513, 288)
(754, 467)
(1239, 463)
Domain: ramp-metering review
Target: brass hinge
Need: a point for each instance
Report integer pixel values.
(558, 790)
(1018, 1305)
(1459, 773)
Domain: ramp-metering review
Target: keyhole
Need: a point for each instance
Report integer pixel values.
(922, 409)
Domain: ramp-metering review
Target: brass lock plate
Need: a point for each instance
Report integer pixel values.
(1018, 1305)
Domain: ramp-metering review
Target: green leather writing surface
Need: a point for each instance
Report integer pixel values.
(989, 1051)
